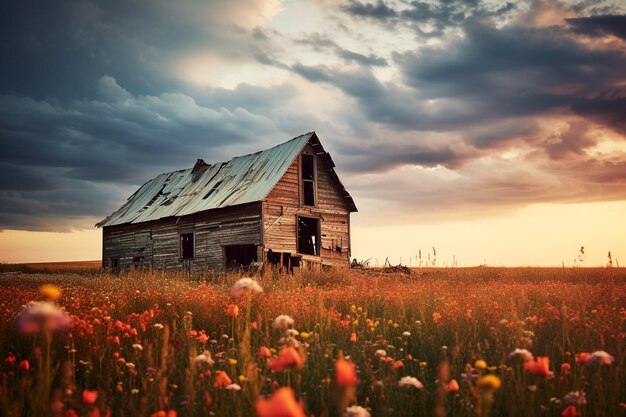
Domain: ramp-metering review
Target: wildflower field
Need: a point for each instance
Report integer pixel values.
(437, 342)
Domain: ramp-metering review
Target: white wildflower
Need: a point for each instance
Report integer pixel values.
(409, 381)
(137, 346)
(282, 321)
(158, 326)
(380, 353)
(233, 387)
(204, 357)
(406, 334)
(292, 332)
(245, 286)
(599, 357)
(356, 411)
(42, 316)
(522, 353)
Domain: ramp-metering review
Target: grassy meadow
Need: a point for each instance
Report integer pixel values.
(438, 342)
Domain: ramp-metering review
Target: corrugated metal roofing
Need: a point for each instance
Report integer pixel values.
(243, 179)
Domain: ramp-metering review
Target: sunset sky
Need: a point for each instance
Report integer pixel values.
(492, 131)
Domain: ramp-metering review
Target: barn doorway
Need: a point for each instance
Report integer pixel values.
(309, 236)
(240, 255)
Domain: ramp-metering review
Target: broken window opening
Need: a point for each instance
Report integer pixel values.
(308, 236)
(186, 246)
(240, 255)
(308, 180)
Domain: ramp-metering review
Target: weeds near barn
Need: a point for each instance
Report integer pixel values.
(454, 342)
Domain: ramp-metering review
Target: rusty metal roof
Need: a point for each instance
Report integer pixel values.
(243, 179)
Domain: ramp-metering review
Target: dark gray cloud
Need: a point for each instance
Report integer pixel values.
(95, 100)
(429, 18)
(77, 157)
(320, 43)
(378, 10)
(600, 25)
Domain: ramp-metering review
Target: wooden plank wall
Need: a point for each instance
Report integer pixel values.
(157, 243)
(282, 206)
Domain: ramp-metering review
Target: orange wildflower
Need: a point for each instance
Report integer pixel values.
(582, 357)
(353, 338)
(538, 367)
(281, 404)
(565, 368)
(232, 310)
(397, 364)
(345, 373)
(222, 380)
(287, 358)
(452, 386)
(90, 396)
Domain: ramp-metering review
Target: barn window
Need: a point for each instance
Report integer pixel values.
(308, 236)
(239, 255)
(186, 246)
(308, 180)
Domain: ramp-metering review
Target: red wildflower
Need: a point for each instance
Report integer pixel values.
(90, 396)
(397, 364)
(222, 380)
(565, 368)
(264, 352)
(287, 358)
(281, 404)
(582, 357)
(345, 373)
(24, 365)
(570, 411)
(538, 367)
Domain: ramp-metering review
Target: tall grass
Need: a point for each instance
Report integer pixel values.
(433, 325)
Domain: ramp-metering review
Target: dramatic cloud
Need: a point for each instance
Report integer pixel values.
(441, 107)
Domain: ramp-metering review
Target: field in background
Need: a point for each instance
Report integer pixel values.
(137, 341)
(70, 266)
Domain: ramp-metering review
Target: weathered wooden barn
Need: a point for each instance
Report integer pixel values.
(284, 205)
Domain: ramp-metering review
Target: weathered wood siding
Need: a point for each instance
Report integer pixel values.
(156, 244)
(282, 206)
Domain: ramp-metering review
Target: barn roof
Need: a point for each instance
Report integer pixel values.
(243, 179)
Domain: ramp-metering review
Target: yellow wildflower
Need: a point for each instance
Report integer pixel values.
(50, 292)
(232, 361)
(480, 364)
(489, 382)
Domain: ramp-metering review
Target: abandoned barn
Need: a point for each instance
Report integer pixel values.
(284, 205)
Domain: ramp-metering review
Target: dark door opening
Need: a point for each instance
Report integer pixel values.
(308, 236)
(239, 255)
(186, 246)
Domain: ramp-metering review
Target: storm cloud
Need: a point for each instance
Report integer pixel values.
(438, 106)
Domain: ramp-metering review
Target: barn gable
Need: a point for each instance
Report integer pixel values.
(243, 179)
